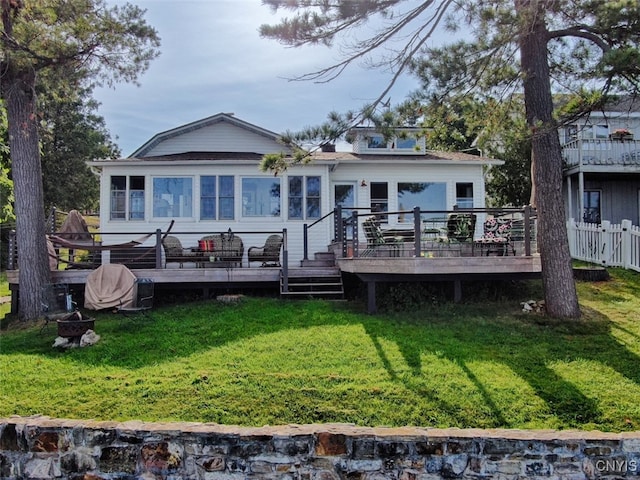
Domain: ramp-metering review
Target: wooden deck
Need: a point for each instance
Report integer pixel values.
(455, 269)
(370, 270)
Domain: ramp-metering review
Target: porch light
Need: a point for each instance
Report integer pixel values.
(363, 183)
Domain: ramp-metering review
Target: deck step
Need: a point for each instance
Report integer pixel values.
(325, 283)
(320, 259)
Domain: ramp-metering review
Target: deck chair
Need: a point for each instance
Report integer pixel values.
(268, 254)
(56, 303)
(174, 252)
(377, 243)
(142, 298)
(496, 238)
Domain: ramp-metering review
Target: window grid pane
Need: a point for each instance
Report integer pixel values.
(226, 199)
(208, 197)
(295, 197)
(313, 197)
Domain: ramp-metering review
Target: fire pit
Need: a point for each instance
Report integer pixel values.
(74, 325)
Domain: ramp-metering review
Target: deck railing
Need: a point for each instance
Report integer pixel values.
(607, 244)
(141, 249)
(425, 233)
(601, 152)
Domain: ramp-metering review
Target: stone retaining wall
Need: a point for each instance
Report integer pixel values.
(44, 448)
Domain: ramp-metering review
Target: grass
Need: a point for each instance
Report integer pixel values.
(267, 361)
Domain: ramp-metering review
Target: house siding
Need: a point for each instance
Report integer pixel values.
(220, 137)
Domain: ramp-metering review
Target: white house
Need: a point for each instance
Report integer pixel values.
(204, 175)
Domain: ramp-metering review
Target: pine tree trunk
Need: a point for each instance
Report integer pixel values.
(557, 275)
(18, 92)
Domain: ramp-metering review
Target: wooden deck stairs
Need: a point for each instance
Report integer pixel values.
(318, 278)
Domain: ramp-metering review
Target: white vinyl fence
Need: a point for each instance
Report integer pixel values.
(605, 244)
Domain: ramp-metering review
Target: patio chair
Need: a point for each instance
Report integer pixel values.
(377, 243)
(268, 254)
(56, 303)
(496, 238)
(174, 252)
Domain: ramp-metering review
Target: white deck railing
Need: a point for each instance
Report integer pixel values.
(605, 244)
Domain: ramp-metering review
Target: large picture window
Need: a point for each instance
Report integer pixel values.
(426, 195)
(127, 198)
(304, 197)
(173, 197)
(216, 197)
(261, 197)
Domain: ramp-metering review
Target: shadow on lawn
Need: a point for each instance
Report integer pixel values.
(527, 345)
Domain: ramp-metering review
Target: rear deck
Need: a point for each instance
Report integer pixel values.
(414, 256)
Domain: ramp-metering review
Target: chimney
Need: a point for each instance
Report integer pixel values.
(328, 147)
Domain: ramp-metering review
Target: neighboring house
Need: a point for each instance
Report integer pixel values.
(205, 176)
(602, 164)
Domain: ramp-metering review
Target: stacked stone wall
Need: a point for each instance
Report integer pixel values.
(44, 448)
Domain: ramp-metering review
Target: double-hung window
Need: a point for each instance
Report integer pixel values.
(216, 197)
(304, 197)
(127, 197)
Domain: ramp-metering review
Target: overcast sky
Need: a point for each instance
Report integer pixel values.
(213, 60)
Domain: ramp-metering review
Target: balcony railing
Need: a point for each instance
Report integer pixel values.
(611, 152)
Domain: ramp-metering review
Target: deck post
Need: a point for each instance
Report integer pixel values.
(305, 242)
(158, 248)
(527, 230)
(417, 223)
(457, 291)
(11, 261)
(337, 223)
(371, 297)
(285, 262)
(356, 241)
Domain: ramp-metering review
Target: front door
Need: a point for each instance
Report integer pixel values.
(344, 195)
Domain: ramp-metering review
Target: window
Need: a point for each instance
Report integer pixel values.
(591, 212)
(227, 197)
(376, 141)
(427, 196)
(118, 198)
(212, 204)
(173, 197)
(598, 132)
(304, 196)
(464, 195)
(380, 198)
(406, 143)
(260, 197)
(586, 132)
(127, 197)
(570, 133)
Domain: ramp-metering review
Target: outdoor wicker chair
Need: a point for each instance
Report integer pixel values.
(269, 254)
(174, 252)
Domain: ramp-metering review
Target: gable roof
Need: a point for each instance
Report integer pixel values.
(228, 118)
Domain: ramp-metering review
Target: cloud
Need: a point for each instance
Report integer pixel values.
(213, 60)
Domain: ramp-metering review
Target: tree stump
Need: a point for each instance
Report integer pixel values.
(590, 274)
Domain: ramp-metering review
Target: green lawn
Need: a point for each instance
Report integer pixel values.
(267, 361)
